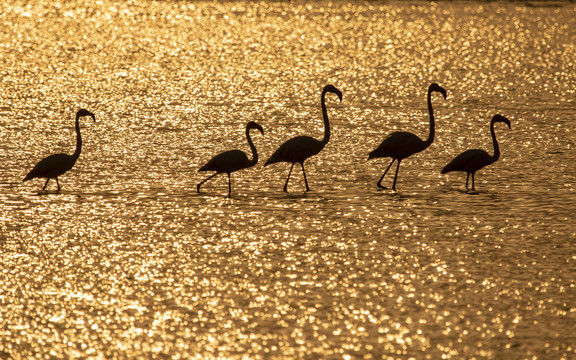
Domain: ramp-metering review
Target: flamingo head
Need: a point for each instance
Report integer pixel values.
(438, 88)
(254, 125)
(332, 89)
(84, 112)
(500, 118)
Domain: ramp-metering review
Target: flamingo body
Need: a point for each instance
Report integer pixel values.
(56, 165)
(296, 150)
(227, 162)
(51, 167)
(300, 148)
(473, 160)
(232, 160)
(400, 144)
(469, 161)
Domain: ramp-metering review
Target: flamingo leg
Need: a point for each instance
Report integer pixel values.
(209, 177)
(288, 178)
(473, 181)
(58, 184)
(304, 172)
(382, 177)
(467, 177)
(229, 186)
(46, 184)
(396, 176)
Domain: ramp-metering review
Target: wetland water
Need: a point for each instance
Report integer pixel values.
(129, 261)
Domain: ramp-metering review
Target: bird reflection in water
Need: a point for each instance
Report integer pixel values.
(400, 144)
(300, 148)
(55, 165)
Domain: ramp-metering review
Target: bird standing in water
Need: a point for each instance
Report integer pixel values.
(55, 165)
(300, 148)
(473, 160)
(233, 160)
(400, 144)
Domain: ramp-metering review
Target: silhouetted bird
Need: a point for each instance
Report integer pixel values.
(300, 148)
(57, 164)
(233, 160)
(400, 145)
(473, 160)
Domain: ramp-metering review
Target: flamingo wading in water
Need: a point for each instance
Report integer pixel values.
(55, 165)
(300, 148)
(233, 160)
(400, 144)
(473, 160)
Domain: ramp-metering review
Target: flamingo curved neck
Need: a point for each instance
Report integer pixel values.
(253, 148)
(495, 143)
(326, 121)
(76, 154)
(430, 139)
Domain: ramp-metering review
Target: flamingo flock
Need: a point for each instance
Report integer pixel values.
(397, 145)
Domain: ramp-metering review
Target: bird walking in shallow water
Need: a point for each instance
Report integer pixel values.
(58, 164)
(473, 160)
(233, 160)
(300, 148)
(400, 145)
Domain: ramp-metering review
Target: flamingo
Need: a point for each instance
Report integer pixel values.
(233, 160)
(400, 145)
(300, 148)
(55, 165)
(473, 160)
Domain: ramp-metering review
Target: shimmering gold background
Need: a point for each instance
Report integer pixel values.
(128, 261)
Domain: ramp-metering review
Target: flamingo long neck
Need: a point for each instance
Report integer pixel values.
(76, 154)
(495, 142)
(253, 148)
(326, 121)
(430, 139)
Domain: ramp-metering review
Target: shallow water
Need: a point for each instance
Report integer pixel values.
(129, 261)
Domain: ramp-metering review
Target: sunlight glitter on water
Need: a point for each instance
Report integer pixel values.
(129, 261)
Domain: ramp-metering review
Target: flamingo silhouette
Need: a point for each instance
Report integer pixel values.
(473, 160)
(233, 160)
(300, 148)
(400, 145)
(55, 165)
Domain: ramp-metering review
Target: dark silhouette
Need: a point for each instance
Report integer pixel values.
(473, 160)
(300, 148)
(233, 160)
(399, 145)
(57, 164)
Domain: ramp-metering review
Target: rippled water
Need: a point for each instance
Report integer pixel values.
(129, 261)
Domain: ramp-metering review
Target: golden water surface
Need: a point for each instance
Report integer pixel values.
(128, 261)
